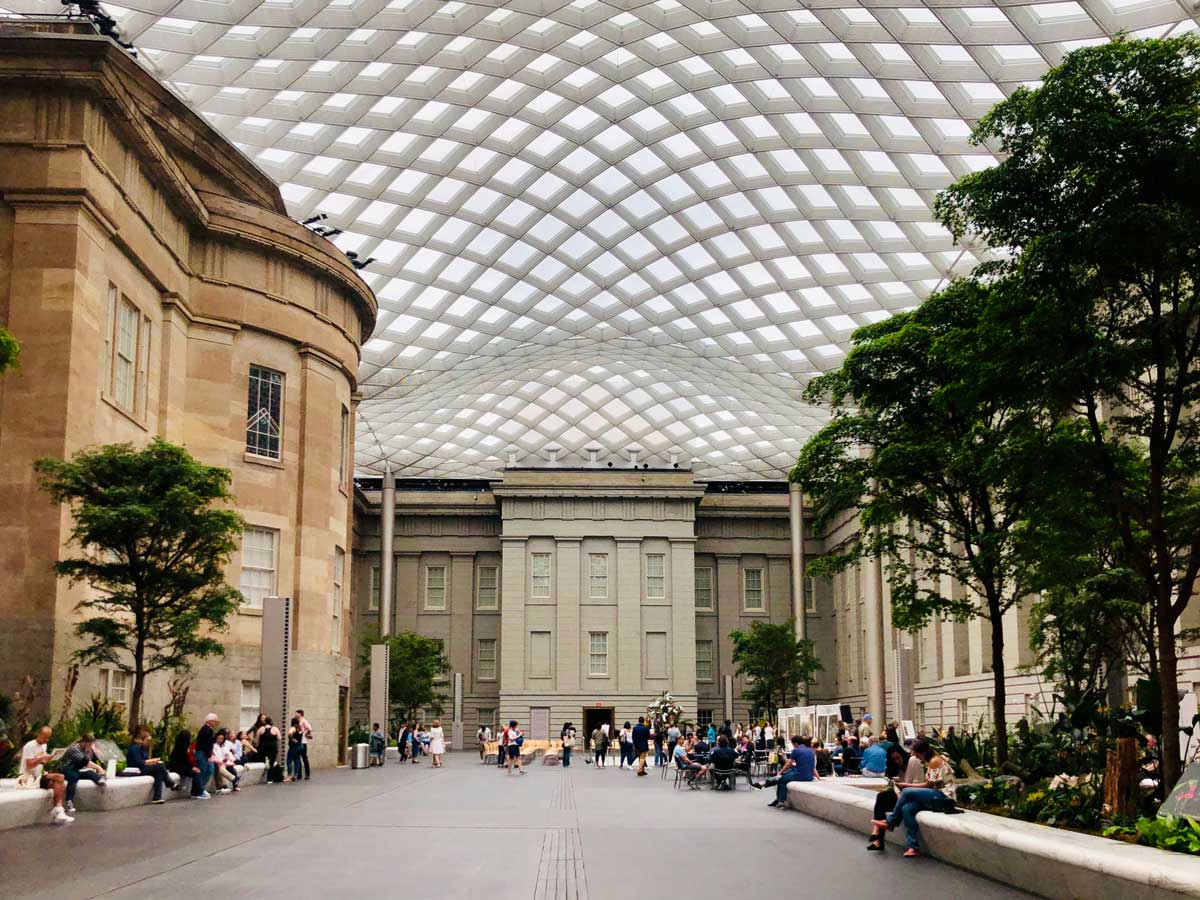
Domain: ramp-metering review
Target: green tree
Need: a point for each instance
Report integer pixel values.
(154, 537)
(775, 663)
(417, 666)
(1097, 201)
(10, 351)
(932, 444)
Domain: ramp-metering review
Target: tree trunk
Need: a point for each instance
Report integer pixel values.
(1121, 781)
(135, 702)
(1168, 676)
(996, 616)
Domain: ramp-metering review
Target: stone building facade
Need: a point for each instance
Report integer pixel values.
(158, 288)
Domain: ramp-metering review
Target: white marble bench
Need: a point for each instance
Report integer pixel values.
(1050, 862)
(32, 807)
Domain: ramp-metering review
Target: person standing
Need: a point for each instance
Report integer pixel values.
(640, 738)
(34, 756)
(672, 740)
(600, 746)
(202, 751)
(502, 748)
(437, 743)
(657, 737)
(268, 751)
(623, 746)
(568, 743)
(306, 734)
(483, 736)
(138, 761)
(768, 735)
(801, 765)
(377, 744)
(515, 739)
(864, 730)
(295, 734)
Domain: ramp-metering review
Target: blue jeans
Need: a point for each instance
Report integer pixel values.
(73, 778)
(200, 780)
(293, 761)
(660, 758)
(784, 780)
(566, 756)
(910, 802)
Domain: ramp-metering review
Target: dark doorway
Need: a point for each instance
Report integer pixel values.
(593, 718)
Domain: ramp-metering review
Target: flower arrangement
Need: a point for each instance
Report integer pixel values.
(664, 709)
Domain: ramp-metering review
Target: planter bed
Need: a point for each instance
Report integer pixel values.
(1049, 862)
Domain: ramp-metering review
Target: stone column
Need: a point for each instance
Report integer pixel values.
(387, 562)
(683, 618)
(629, 615)
(512, 618)
(799, 606)
(873, 624)
(567, 593)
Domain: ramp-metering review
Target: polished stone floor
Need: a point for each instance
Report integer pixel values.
(466, 831)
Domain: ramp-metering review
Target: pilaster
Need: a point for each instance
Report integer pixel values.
(512, 617)
(567, 555)
(628, 653)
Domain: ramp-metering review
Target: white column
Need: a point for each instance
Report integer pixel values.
(387, 561)
(873, 620)
(796, 516)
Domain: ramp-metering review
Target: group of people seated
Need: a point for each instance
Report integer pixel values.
(700, 761)
(215, 753)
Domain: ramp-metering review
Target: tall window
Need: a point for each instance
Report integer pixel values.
(435, 587)
(962, 712)
(485, 659)
(704, 597)
(127, 354)
(114, 685)
(598, 653)
(339, 572)
(251, 704)
(376, 589)
(704, 717)
(486, 596)
(264, 413)
(344, 448)
(810, 595)
(598, 576)
(539, 571)
(258, 565)
(656, 575)
(753, 592)
(489, 716)
(539, 654)
(443, 676)
(704, 660)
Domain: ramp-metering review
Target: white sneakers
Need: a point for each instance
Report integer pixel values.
(223, 791)
(58, 816)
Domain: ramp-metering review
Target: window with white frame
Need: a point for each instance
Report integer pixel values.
(435, 587)
(598, 653)
(127, 354)
(376, 589)
(810, 595)
(539, 576)
(704, 660)
(752, 592)
(485, 659)
(598, 576)
(704, 718)
(444, 675)
(114, 685)
(339, 573)
(258, 565)
(251, 704)
(264, 413)
(656, 576)
(704, 592)
(487, 588)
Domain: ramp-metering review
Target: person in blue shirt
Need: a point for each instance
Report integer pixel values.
(801, 765)
(138, 761)
(874, 759)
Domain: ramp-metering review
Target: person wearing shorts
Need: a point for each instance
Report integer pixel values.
(515, 739)
(34, 756)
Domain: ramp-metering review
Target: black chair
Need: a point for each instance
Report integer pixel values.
(725, 776)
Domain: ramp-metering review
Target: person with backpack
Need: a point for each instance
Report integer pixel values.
(515, 739)
(268, 750)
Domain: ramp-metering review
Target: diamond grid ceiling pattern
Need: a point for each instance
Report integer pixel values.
(615, 225)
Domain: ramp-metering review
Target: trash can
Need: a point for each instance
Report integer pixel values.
(360, 756)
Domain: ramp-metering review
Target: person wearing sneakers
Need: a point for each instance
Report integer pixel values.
(640, 738)
(516, 738)
(79, 763)
(202, 751)
(34, 757)
(138, 761)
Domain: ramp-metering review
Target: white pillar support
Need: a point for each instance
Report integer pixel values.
(387, 560)
(379, 702)
(873, 619)
(799, 607)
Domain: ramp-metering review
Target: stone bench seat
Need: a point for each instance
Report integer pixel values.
(1050, 862)
(32, 807)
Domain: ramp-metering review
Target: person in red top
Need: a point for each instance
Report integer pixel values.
(502, 748)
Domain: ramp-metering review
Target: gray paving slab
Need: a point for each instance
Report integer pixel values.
(465, 831)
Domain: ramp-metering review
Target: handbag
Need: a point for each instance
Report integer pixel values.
(27, 781)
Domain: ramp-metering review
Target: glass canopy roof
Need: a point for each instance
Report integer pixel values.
(604, 227)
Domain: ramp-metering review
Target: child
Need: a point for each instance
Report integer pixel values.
(378, 746)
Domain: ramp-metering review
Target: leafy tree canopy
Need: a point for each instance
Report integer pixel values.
(418, 665)
(775, 662)
(154, 537)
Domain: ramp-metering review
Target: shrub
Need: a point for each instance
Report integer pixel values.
(103, 718)
(358, 734)
(1177, 833)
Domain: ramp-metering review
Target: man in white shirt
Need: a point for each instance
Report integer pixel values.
(305, 737)
(769, 735)
(34, 757)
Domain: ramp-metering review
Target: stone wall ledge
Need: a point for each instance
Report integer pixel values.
(1048, 862)
(32, 807)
